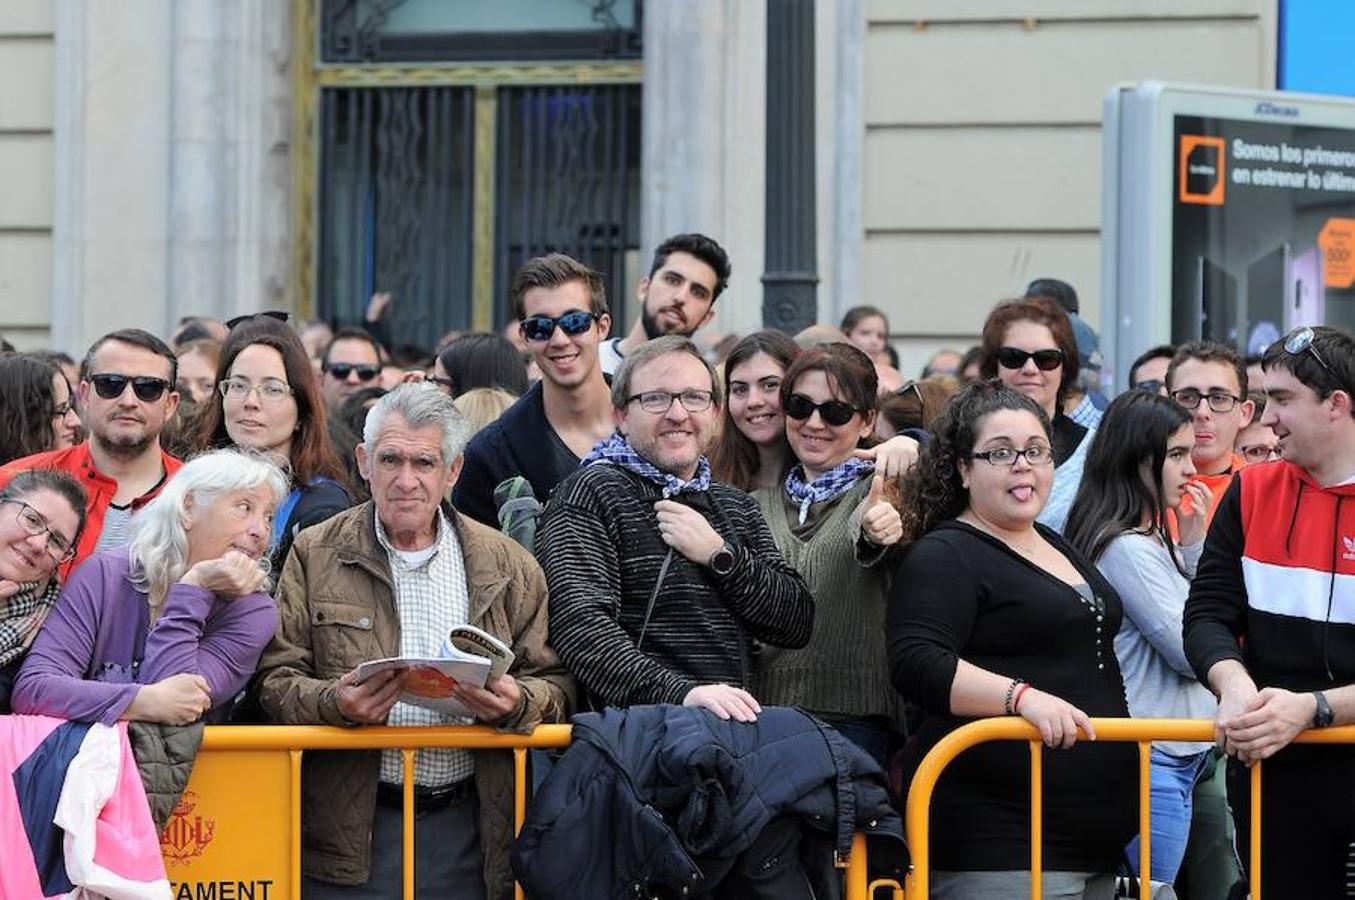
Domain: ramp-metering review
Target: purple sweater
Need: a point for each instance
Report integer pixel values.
(83, 663)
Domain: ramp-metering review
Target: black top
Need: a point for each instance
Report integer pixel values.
(962, 594)
(599, 544)
(520, 442)
(1067, 435)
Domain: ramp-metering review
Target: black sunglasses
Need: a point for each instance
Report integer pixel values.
(540, 328)
(146, 388)
(271, 313)
(341, 371)
(833, 412)
(1015, 358)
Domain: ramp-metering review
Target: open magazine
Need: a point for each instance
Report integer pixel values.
(467, 655)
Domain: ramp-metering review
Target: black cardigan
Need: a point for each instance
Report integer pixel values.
(962, 594)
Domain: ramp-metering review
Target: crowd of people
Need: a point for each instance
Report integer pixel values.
(223, 525)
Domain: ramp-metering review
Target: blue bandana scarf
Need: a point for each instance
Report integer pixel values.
(831, 484)
(618, 451)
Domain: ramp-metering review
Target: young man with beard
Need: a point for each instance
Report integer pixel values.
(126, 396)
(688, 273)
(1269, 626)
(562, 315)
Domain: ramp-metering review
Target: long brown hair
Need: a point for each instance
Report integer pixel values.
(734, 458)
(312, 453)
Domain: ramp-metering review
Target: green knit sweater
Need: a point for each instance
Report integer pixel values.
(843, 671)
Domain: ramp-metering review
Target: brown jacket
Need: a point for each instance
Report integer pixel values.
(337, 610)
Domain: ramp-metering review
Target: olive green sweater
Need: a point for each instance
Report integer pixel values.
(843, 671)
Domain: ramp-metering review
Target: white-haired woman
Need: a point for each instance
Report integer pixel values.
(172, 626)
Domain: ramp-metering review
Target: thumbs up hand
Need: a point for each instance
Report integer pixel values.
(880, 521)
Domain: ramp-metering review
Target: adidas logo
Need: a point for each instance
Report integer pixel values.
(1349, 555)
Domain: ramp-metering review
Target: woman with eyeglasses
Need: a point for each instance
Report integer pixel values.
(268, 400)
(833, 524)
(1028, 343)
(480, 360)
(1139, 466)
(41, 515)
(993, 614)
(171, 627)
(38, 415)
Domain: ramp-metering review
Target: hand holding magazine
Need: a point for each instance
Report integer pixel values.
(468, 655)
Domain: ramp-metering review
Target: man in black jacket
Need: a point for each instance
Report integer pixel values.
(660, 579)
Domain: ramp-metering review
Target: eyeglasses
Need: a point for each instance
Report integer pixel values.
(341, 371)
(1015, 358)
(661, 401)
(270, 390)
(833, 412)
(1301, 340)
(445, 383)
(146, 388)
(540, 328)
(62, 411)
(277, 314)
(1036, 455)
(1148, 385)
(1218, 402)
(59, 547)
(1255, 453)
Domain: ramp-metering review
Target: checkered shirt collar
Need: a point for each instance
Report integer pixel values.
(618, 451)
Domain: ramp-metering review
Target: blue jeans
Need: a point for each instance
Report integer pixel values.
(1171, 786)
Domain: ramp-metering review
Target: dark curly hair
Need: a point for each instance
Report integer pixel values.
(932, 489)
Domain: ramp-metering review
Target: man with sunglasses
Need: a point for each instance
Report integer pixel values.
(352, 361)
(562, 314)
(1268, 625)
(126, 397)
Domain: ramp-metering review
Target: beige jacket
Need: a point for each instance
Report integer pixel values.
(337, 610)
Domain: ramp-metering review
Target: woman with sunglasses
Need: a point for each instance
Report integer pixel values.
(268, 400)
(1139, 466)
(1028, 343)
(172, 626)
(834, 526)
(41, 514)
(992, 614)
(38, 415)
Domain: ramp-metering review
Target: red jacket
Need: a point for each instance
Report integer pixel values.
(99, 489)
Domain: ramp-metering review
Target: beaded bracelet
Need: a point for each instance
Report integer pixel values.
(1007, 705)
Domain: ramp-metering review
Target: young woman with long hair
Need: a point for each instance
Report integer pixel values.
(1137, 469)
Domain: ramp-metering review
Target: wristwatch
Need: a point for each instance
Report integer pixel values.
(721, 562)
(1324, 716)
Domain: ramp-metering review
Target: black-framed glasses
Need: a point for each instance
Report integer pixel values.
(1218, 401)
(1015, 358)
(62, 411)
(146, 388)
(271, 390)
(574, 322)
(1258, 453)
(1302, 339)
(1035, 454)
(659, 402)
(59, 547)
(833, 412)
(278, 314)
(341, 371)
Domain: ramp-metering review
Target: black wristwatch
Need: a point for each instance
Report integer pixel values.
(721, 562)
(1324, 716)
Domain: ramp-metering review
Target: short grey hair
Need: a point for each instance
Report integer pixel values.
(421, 405)
(652, 350)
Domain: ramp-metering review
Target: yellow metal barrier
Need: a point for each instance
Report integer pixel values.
(236, 834)
(1141, 731)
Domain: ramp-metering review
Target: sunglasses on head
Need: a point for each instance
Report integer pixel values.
(833, 412)
(540, 328)
(1015, 358)
(341, 371)
(278, 314)
(146, 388)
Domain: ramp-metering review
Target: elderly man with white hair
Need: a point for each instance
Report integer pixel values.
(391, 578)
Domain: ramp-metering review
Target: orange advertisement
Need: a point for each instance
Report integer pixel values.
(1202, 170)
(1337, 240)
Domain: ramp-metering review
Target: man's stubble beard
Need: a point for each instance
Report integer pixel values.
(124, 449)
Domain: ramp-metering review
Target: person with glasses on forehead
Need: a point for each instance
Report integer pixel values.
(1268, 624)
(351, 362)
(1028, 344)
(991, 613)
(41, 514)
(563, 316)
(126, 398)
(267, 399)
(661, 579)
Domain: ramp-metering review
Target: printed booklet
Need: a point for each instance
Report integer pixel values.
(468, 655)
